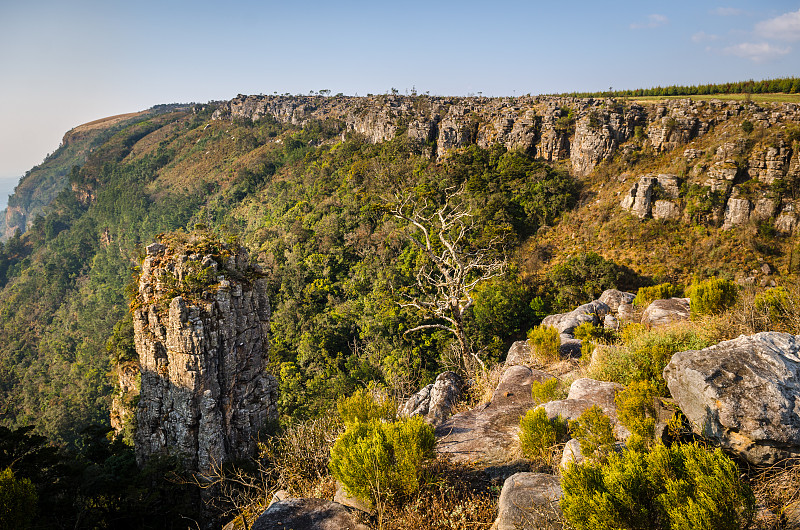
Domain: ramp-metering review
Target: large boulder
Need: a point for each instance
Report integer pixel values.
(529, 501)
(435, 401)
(613, 298)
(487, 435)
(743, 393)
(307, 514)
(667, 311)
(592, 312)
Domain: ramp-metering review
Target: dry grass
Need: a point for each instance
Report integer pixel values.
(777, 488)
(455, 498)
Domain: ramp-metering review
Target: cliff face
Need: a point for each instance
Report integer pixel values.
(201, 336)
(584, 131)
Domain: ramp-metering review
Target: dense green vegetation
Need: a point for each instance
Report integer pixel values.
(311, 207)
(787, 85)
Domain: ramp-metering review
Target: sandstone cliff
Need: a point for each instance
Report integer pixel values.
(201, 320)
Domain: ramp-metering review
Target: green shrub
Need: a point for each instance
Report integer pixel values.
(550, 390)
(538, 434)
(17, 501)
(636, 410)
(582, 278)
(646, 295)
(594, 433)
(380, 461)
(681, 487)
(589, 332)
(643, 354)
(773, 302)
(545, 344)
(366, 405)
(712, 296)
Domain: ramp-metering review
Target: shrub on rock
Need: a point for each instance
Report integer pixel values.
(545, 344)
(646, 295)
(538, 434)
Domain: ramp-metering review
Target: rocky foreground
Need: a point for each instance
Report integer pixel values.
(740, 394)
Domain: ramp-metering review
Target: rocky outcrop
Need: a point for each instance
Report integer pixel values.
(661, 189)
(519, 353)
(530, 501)
(737, 213)
(307, 514)
(593, 312)
(487, 435)
(585, 393)
(743, 393)
(768, 163)
(667, 311)
(201, 326)
(435, 401)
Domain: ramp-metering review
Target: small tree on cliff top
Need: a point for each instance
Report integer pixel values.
(451, 269)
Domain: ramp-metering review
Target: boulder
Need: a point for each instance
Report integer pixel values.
(743, 393)
(614, 298)
(345, 499)
(519, 353)
(487, 435)
(435, 401)
(567, 322)
(307, 514)
(570, 346)
(529, 501)
(626, 312)
(585, 393)
(663, 312)
(611, 322)
(572, 453)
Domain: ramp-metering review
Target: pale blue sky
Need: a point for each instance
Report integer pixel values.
(67, 63)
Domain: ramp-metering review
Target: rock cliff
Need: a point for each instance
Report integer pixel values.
(201, 319)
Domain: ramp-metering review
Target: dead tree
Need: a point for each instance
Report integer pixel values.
(452, 270)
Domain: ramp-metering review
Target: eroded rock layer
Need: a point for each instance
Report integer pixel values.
(201, 335)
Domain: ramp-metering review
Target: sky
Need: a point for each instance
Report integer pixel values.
(67, 63)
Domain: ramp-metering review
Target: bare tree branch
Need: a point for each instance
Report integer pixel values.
(453, 271)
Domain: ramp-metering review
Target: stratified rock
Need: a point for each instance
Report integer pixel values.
(530, 501)
(519, 353)
(666, 210)
(487, 434)
(613, 298)
(639, 198)
(435, 401)
(307, 514)
(205, 391)
(663, 312)
(743, 393)
(737, 213)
